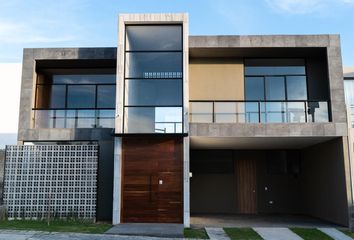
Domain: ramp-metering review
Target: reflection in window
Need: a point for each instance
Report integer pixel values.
(275, 79)
(50, 96)
(153, 120)
(254, 88)
(154, 65)
(275, 88)
(82, 96)
(75, 101)
(85, 79)
(162, 38)
(153, 92)
(106, 95)
(296, 87)
(153, 89)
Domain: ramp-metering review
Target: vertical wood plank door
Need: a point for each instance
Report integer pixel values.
(152, 180)
(246, 185)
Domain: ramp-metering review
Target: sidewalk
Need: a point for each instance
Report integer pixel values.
(35, 235)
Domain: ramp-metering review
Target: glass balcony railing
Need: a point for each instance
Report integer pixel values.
(74, 118)
(258, 111)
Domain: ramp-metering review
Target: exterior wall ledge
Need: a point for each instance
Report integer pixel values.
(268, 130)
(323, 40)
(66, 134)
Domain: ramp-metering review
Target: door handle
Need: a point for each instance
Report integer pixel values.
(160, 182)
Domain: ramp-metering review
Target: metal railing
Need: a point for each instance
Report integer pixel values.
(225, 111)
(74, 118)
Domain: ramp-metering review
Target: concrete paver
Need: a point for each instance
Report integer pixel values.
(148, 229)
(275, 233)
(335, 234)
(216, 234)
(34, 235)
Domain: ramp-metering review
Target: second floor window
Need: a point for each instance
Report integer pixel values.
(275, 79)
(75, 101)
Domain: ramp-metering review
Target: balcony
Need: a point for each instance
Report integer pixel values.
(258, 111)
(74, 118)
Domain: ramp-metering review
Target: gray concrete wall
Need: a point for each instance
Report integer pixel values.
(324, 181)
(240, 130)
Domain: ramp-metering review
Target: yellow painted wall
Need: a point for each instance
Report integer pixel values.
(216, 79)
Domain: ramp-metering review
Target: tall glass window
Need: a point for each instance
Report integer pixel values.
(153, 89)
(75, 101)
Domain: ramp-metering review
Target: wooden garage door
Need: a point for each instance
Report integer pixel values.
(152, 180)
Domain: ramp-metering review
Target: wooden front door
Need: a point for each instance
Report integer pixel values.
(152, 183)
(246, 185)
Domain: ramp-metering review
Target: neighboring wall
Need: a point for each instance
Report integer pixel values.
(2, 162)
(216, 79)
(324, 181)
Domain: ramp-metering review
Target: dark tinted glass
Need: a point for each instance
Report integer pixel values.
(106, 96)
(164, 38)
(254, 88)
(153, 92)
(50, 96)
(275, 88)
(84, 79)
(154, 65)
(82, 96)
(282, 70)
(296, 87)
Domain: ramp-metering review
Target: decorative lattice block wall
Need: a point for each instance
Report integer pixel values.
(59, 178)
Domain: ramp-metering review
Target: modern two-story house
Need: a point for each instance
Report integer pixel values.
(167, 127)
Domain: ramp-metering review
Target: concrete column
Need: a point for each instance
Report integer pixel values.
(117, 180)
(186, 192)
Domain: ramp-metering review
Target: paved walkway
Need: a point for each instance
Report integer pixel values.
(276, 233)
(216, 234)
(334, 233)
(34, 235)
(148, 229)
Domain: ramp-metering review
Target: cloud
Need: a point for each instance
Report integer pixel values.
(304, 6)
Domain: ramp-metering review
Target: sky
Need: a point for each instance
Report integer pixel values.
(93, 23)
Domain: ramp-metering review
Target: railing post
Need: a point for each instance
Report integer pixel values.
(305, 108)
(259, 111)
(213, 109)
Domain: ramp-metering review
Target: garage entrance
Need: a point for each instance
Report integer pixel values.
(291, 183)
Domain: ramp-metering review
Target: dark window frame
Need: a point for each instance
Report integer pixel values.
(142, 79)
(96, 85)
(277, 75)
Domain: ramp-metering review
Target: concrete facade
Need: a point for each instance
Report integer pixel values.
(325, 140)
